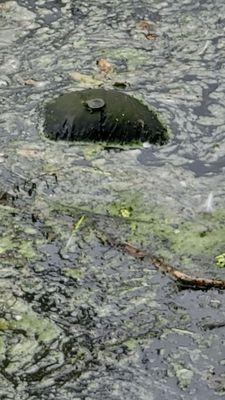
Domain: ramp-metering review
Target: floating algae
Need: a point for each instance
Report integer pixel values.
(102, 115)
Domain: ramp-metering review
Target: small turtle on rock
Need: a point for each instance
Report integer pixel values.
(102, 115)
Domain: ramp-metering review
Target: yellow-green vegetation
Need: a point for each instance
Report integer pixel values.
(167, 234)
(19, 239)
(171, 234)
(220, 260)
(73, 273)
(79, 223)
(27, 250)
(4, 325)
(126, 212)
(44, 330)
(2, 347)
(183, 375)
(92, 150)
(6, 245)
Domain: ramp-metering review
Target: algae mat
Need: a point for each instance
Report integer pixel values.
(79, 319)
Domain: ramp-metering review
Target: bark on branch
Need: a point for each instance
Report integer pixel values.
(182, 278)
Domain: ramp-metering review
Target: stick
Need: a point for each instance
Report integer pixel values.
(179, 276)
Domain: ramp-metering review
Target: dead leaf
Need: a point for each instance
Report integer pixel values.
(104, 65)
(151, 36)
(32, 82)
(86, 79)
(5, 6)
(146, 26)
(6, 198)
(30, 152)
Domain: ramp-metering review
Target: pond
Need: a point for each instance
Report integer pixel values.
(81, 319)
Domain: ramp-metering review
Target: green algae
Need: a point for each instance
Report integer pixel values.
(40, 328)
(73, 273)
(171, 235)
(143, 375)
(92, 150)
(2, 348)
(24, 320)
(151, 225)
(220, 260)
(27, 250)
(18, 247)
(6, 245)
(183, 375)
(168, 235)
(134, 57)
(44, 330)
(132, 218)
(4, 325)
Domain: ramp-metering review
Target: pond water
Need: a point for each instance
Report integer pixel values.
(79, 319)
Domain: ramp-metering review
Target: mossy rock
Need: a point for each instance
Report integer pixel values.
(104, 116)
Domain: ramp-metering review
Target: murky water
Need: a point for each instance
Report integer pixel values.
(79, 319)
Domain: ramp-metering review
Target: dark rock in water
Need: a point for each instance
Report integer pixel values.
(102, 115)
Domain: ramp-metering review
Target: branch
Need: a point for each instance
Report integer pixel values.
(179, 276)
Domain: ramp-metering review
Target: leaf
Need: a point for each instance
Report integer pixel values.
(79, 222)
(29, 152)
(32, 82)
(5, 6)
(151, 36)
(146, 26)
(104, 65)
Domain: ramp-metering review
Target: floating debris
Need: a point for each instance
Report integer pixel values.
(85, 79)
(120, 84)
(146, 26)
(104, 65)
(104, 116)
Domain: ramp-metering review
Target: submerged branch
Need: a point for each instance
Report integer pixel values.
(182, 278)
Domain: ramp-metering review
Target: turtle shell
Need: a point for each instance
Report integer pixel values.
(102, 115)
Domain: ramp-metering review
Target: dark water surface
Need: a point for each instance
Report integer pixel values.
(79, 319)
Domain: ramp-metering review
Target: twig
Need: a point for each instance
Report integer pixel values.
(184, 279)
